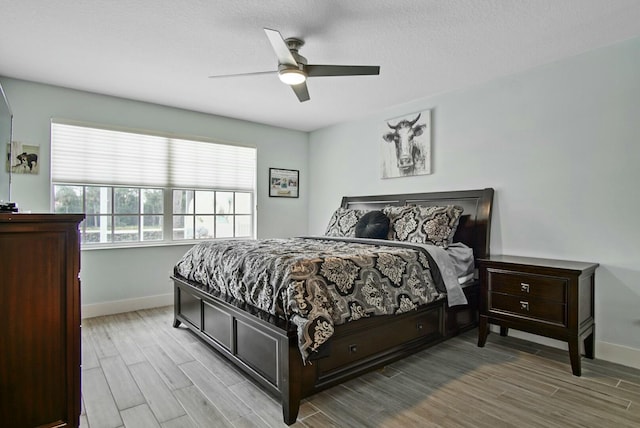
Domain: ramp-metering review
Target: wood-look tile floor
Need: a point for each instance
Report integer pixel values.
(138, 371)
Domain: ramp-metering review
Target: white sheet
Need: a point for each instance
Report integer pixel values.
(465, 278)
(449, 271)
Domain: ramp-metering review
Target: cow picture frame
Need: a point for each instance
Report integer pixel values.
(405, 145)
(284, 183)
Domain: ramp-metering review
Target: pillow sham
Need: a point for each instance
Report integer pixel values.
(343, 222)
(373, 224)
(428, 225)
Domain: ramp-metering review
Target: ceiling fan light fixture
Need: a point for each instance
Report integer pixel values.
(292, 76)
(293, 68)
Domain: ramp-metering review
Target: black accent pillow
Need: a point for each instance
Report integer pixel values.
(373, 224)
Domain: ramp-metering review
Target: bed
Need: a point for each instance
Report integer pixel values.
(270, 346)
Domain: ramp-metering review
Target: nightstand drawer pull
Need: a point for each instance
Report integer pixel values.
(524, 287)
(524, 305)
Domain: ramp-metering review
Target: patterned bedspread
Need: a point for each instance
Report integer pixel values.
(313, 282)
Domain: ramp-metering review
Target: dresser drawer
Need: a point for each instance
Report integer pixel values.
(528, 285)
(543, 310)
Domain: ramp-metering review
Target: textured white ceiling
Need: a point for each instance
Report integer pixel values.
(162, 51)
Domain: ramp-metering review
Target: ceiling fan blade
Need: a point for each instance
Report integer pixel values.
(243, 74)
(301, 91)
(341, 70)
(280, 47)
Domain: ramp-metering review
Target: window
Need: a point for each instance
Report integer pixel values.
(138, 188)
(114, 214)
(203, 214)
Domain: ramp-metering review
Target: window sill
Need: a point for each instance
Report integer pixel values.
(125, 246)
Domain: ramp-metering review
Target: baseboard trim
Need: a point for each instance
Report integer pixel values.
(610, 352)
(126, 305)
(619, 354)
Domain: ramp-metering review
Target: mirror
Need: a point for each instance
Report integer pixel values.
(6, 121)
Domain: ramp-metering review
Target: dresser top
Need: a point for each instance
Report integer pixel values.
(40, 218)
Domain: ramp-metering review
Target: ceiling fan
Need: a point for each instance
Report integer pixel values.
(294, 70)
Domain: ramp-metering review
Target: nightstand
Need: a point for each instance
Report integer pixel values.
(552, 298)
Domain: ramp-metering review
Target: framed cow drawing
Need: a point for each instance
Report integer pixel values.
(405, 145)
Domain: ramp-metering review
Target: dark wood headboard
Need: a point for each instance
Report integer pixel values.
(475, 224)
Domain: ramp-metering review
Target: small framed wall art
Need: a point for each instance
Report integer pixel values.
(22, 158)
(284, 183)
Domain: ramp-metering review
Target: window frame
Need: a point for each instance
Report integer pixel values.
(168, 215)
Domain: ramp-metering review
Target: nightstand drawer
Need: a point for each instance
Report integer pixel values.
(543, 310)
(528, 285)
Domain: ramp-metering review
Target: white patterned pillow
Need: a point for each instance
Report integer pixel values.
(343, 222)
(427, 225)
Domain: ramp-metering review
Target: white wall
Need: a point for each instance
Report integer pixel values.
(121, 279)
(560, 144)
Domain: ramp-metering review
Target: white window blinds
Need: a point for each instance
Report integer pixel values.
(89, 155)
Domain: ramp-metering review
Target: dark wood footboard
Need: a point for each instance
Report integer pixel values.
(266, 349)
(262, 346)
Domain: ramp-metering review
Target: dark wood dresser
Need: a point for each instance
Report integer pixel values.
(40, 329)
(552, 298)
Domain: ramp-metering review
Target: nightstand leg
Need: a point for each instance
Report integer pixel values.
(504, 331)
(483, 330)
(589, 344)
(574, 355)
